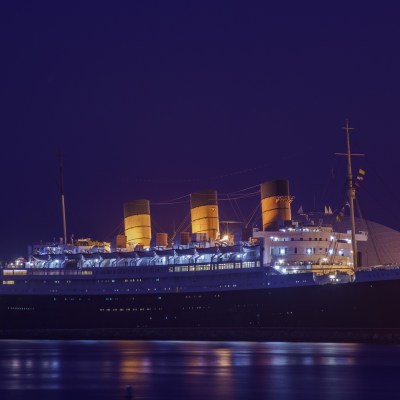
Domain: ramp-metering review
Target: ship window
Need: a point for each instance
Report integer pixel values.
(87, 272)
(8, 282)
(20, 272)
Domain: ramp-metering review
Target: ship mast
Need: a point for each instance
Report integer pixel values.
(351, 191)
(63, 201)
(351, 194)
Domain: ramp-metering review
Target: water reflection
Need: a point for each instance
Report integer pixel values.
(196, 370)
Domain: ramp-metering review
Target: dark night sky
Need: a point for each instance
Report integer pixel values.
(158, 99)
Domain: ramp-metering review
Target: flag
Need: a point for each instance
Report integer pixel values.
(300, 210)
(359, 179)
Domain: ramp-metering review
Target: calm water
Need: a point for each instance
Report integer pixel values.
(197, 370)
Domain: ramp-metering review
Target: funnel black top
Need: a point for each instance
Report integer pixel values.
(275, 188)
(204, 198)
(136, 207)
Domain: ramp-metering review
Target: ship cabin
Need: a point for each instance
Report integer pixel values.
(301, 248)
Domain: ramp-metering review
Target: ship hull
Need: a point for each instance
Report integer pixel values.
(352, 305)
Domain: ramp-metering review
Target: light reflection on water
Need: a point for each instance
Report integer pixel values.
(76, 370)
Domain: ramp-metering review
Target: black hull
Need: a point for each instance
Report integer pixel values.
(369, 305)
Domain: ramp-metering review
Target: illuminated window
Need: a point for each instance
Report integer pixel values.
(20, 272)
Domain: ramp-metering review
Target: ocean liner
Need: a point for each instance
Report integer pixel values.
(294, 272)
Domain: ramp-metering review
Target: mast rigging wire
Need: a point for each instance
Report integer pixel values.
(370, 231)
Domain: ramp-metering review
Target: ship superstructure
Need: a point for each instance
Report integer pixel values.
(285, 246)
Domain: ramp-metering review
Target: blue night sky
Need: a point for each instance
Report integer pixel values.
(158, 99)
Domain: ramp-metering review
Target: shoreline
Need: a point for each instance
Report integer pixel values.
(389, 336)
